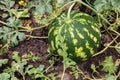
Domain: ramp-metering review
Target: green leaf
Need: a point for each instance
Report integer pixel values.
(30, 56)
(11, 35)
(93, 67)
(40, 68)
(68, 62)
(11, 21)
(47, 1)
(14, 78)
(2, 7)
(108, 65)
(117, 47)
(21, 36)
(49, 8)
(75, 70)
(110, 77)
(14, 23)
(12, 3)
(29, 69)
(31, 4)
(38, 73)
(21, 13)
(15, 56)
(32, 71)
(6, 5)
(18, 36)
(4, 76)
(60, 3)
(19, 66)
(40, 9)
(116, 4)
(3, 61)
(43, 6)
(102, 5)
(53, 76)
(61, 53)
(14, 40)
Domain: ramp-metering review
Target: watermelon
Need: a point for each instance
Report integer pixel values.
(81, 35)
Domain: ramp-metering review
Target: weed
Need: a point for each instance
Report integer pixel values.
(6, 5)
(12, 31)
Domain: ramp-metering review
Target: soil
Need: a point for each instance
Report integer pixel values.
(39, 47)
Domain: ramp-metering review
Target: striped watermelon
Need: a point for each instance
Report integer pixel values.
(80, 33)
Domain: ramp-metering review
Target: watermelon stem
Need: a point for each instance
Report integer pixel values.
(41, 37)
(3, 23)
(66, 4)
(80, 1)
(69, 11)
(100, 52)
(64, 68)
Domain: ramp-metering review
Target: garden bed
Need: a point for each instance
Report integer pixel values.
(29, 56)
